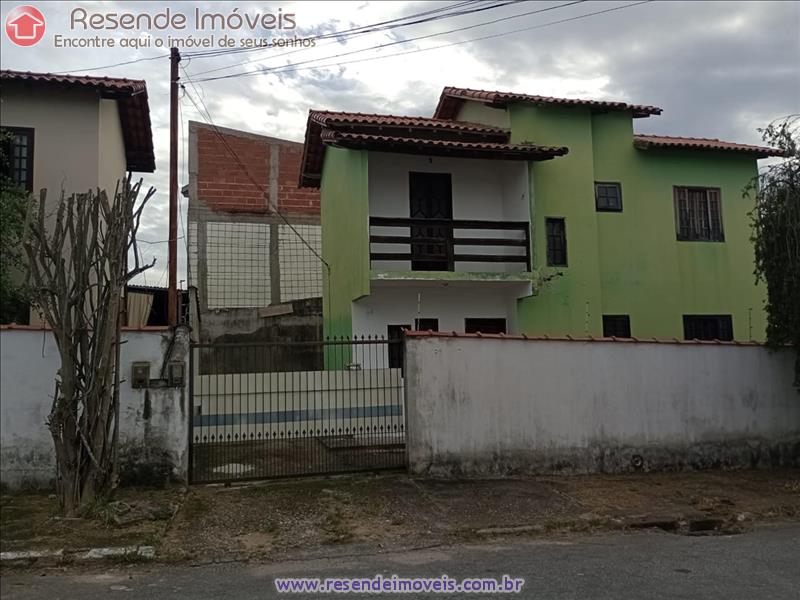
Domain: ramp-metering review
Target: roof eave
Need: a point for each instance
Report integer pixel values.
(756, 152)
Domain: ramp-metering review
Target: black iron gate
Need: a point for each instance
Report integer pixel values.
(280, 409)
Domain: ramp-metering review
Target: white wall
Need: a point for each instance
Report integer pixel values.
(478, 112)
(111, 147)
(494, 405)
(153, 423)
(482, 189)
(451, 303)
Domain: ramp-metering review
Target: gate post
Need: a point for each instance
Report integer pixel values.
(190, 411)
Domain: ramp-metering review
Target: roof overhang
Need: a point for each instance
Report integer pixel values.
(408, 135)
(437, 147)
(647, 142)
(452, 98)
(132, 102)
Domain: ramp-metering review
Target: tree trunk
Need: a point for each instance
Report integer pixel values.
(78, 271)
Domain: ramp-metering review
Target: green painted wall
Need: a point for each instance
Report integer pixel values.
(561, 188)
(630, 262)
(618, 263)
(345, 236)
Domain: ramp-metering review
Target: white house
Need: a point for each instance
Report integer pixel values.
(74, 133)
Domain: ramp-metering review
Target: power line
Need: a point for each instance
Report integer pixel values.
(348, 34)
(290, 68)
(207, 117)
(212, 53)
(120, 64)
(478, 6)
(396, 42)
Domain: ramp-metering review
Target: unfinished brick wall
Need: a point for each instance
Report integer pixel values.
(291, 199)
(244, 260)
(222, 185)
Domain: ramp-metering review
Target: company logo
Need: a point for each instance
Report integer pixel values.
(25, 25)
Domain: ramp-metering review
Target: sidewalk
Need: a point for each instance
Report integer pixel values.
(303, 518)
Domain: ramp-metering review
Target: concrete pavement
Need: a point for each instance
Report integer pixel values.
(644, 565)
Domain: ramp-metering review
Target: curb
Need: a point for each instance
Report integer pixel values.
(58, 556)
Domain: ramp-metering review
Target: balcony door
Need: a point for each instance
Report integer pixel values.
(431, 197)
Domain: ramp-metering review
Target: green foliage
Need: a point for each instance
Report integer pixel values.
(776, 235)
(14, 202)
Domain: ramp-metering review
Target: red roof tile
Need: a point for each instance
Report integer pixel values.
(438, 146)
(134, 109)
(421, 133)
(452, 98)
(665, 141)
(328, 118)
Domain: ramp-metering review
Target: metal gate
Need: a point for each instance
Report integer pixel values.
(281, 409)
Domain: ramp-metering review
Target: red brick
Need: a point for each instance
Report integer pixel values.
(227, 184)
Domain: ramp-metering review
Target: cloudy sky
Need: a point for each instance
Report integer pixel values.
(718, 69)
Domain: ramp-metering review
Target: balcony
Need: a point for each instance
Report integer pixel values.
(491, 249)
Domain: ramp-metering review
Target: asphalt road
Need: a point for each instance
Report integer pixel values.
(758, 565)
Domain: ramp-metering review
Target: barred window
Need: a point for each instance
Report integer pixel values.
(708, 327)
(17, 159)
(617, 326)
(698, 214)
(484, 325)
(556, 242)
(608, 196)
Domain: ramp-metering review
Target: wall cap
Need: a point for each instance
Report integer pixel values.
(570, 338)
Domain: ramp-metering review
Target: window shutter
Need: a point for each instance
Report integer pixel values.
(715, 215)
(681, 213)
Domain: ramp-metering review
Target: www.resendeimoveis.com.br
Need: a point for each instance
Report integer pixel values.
(394, 584)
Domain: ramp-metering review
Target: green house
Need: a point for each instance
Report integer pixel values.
(520, 214)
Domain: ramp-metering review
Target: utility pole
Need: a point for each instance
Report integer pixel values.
(172, 244)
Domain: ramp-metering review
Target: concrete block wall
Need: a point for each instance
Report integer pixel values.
(153, 421)
(243, 256)
(491, 405)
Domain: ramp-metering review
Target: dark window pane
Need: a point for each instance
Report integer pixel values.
(556, 242)
(608, 196)
(426, 324)
(708, 327)
(17, 156)
(698, 212)
(616, 326)
(485, 325)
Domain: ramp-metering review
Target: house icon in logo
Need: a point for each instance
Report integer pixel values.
(25, 25)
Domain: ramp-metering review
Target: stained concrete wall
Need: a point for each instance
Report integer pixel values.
(481, 406)
(153, 422)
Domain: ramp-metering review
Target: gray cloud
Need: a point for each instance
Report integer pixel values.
(719, 69)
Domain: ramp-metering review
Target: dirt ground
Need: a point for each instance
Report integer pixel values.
(286, 519)
(283, 519)
(32, 521)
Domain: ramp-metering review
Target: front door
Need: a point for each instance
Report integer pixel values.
(431, 197)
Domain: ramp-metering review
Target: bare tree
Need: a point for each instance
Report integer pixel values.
(77, 272)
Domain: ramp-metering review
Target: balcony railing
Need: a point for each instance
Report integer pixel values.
(433, 244)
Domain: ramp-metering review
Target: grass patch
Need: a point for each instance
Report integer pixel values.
(129, 558)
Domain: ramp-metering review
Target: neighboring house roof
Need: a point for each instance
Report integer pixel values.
(452, 98)
(665, 141)
(410, 135)
(134, 109)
